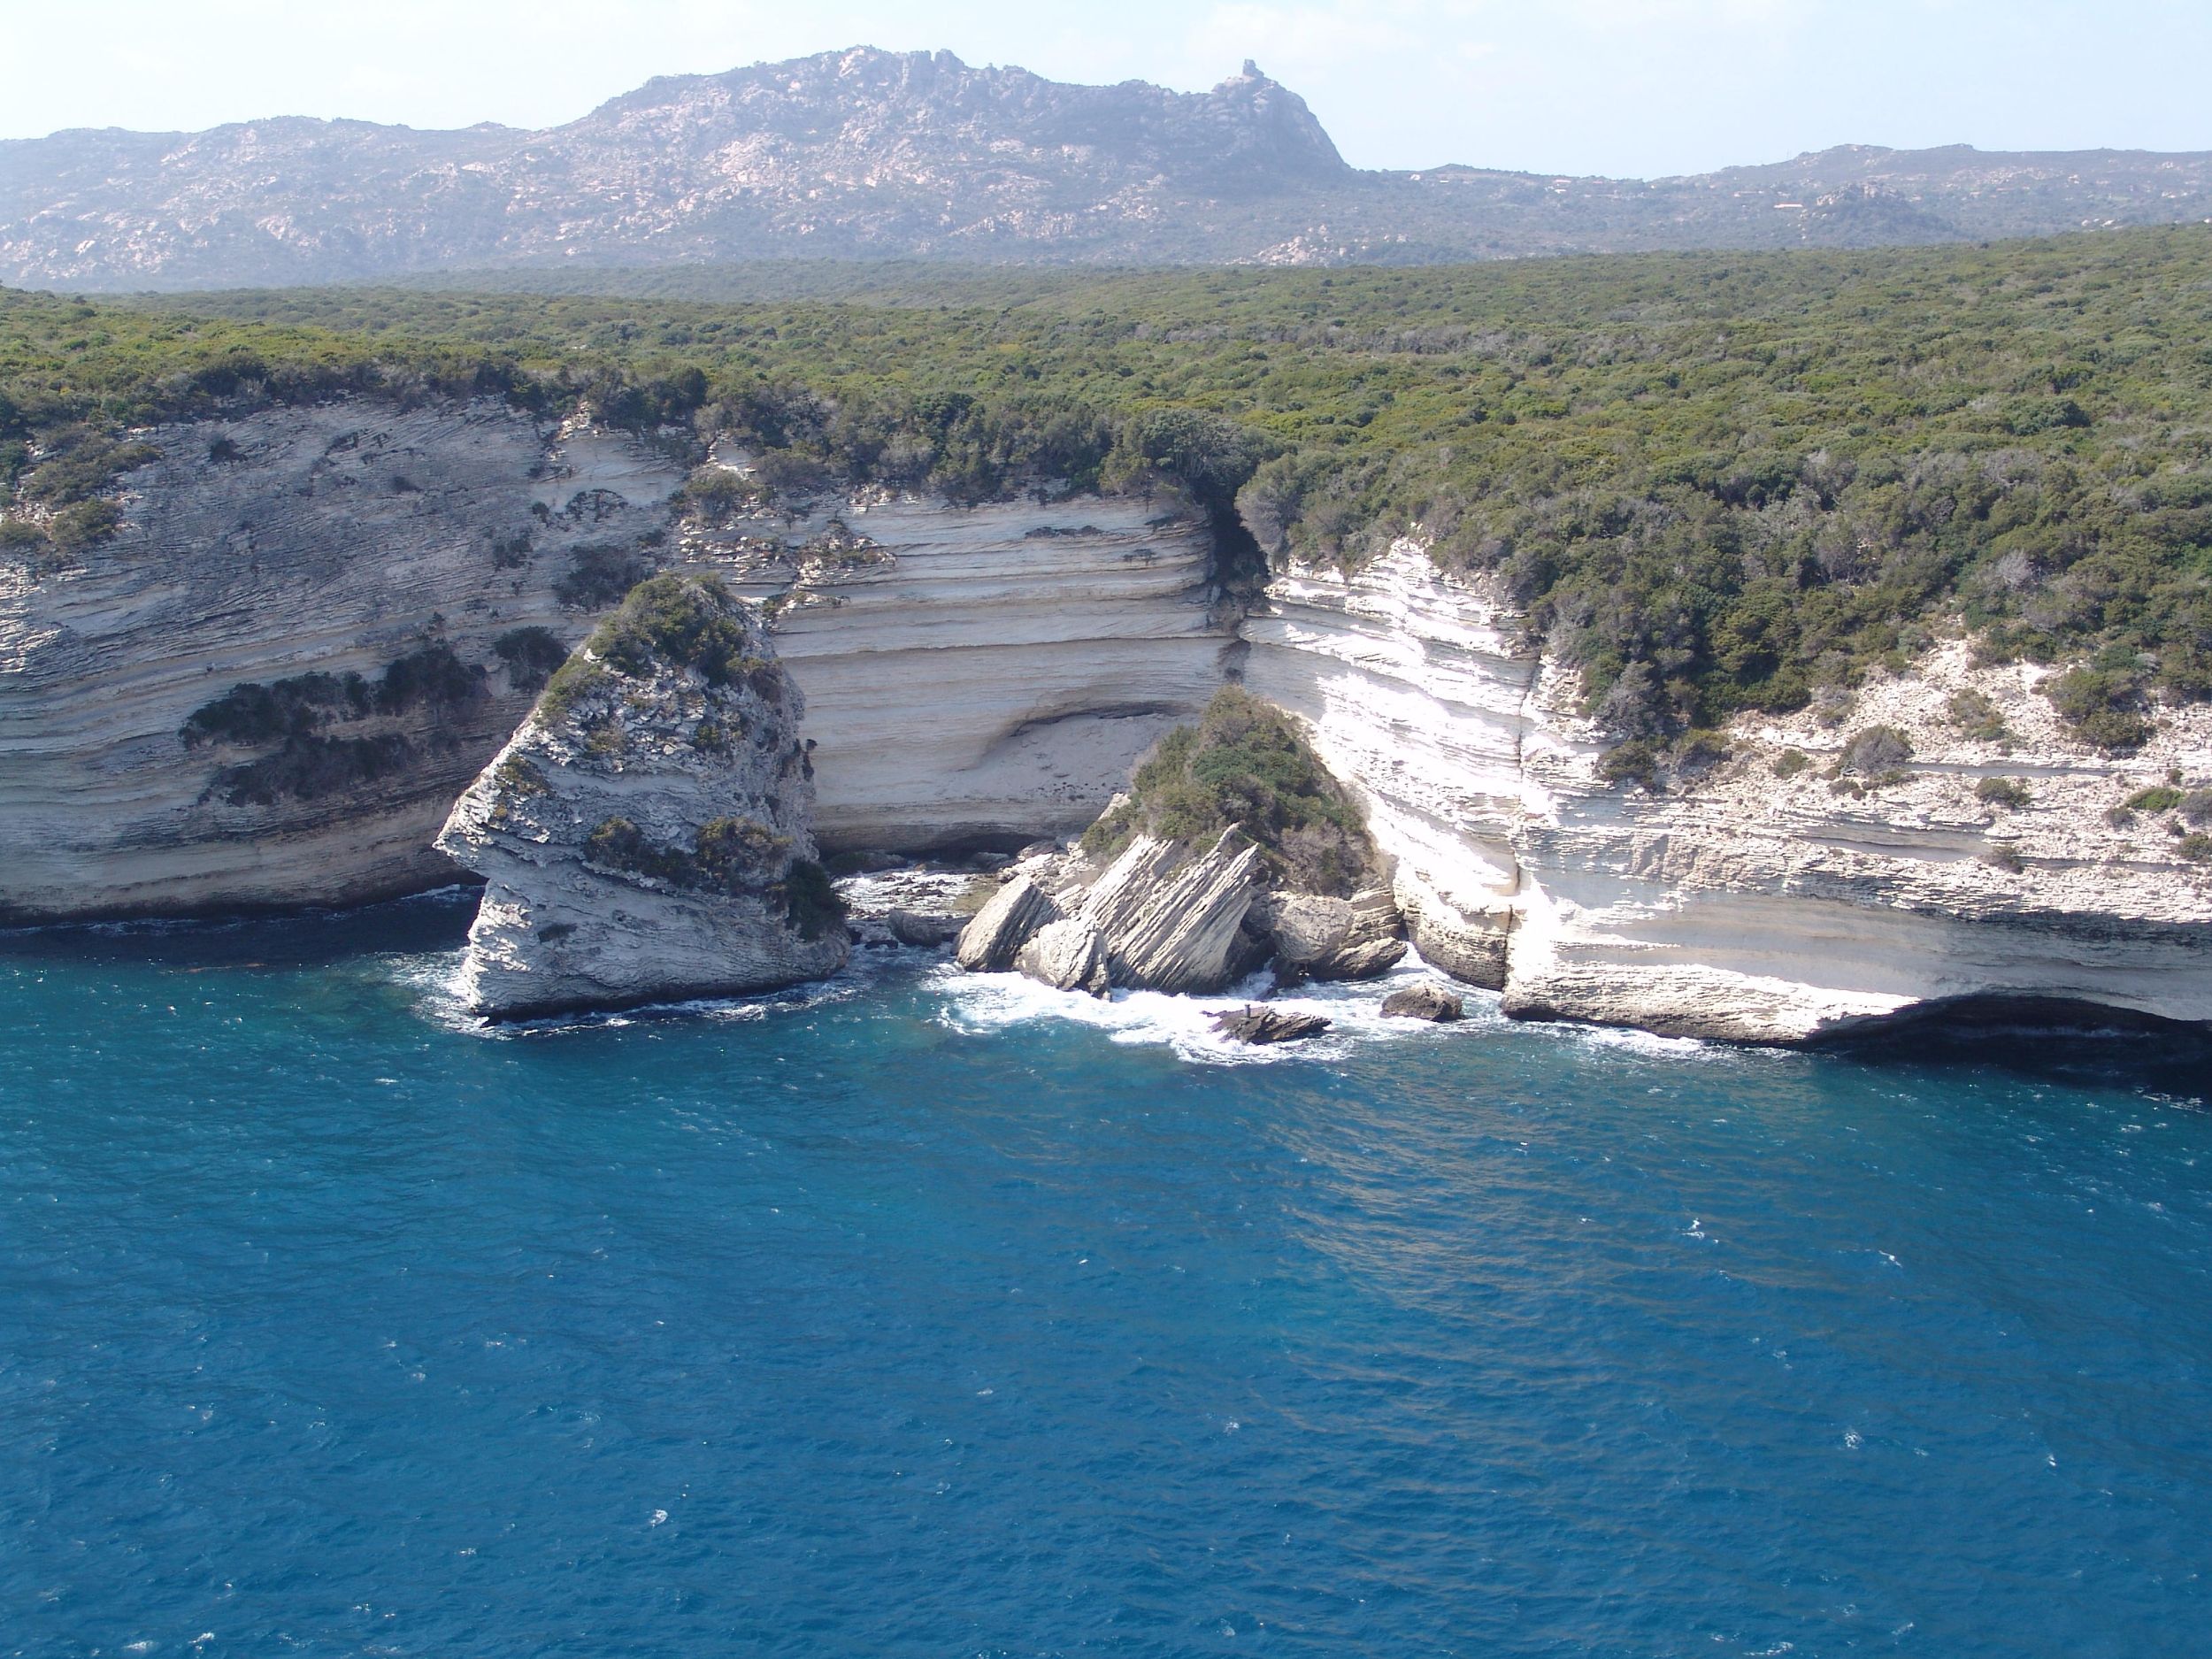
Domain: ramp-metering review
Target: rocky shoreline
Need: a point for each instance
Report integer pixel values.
(271, 689)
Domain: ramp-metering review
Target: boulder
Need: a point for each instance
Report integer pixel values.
(994, 937)
(1069, 954)
(1256, 1024)
(1314, 937)
(1176, 931)
(647, 833)
(926, 929)
(1424, 1001)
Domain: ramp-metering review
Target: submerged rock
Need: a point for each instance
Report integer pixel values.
(647, 833)
(1424, 1001)
(1254, 1024)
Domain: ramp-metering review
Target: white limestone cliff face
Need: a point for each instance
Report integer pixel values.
(334, 539)
(985, 674)
(1746, 906)
(645, 836)
(982, 675)
(1416, 692)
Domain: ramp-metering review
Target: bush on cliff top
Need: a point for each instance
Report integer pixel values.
(1731, 480)
(1245, 762)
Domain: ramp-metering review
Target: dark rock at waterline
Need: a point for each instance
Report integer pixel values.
(1424, 1001)
(1257, 1025)
(924, 928)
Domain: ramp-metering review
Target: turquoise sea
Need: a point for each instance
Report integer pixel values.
(914, 1318)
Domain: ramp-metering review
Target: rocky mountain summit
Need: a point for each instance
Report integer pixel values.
(869, 154)
(646, 834)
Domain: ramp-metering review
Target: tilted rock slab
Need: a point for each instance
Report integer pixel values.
(1316, 937)
(645, 836)
(1183, 934)
(996, 935)
(1158, 919)
(1069, 954)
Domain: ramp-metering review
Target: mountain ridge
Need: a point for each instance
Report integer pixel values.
(864, 154)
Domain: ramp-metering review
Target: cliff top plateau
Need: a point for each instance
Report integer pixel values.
(865, 154)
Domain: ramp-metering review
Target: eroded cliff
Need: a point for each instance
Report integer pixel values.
(318, 624)
(646, 835)
(327, 589)
(1787, 894)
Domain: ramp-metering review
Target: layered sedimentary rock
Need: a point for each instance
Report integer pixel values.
(978, 676)
(1743, 904)
(388, 552)
(1416, 691)
(646, 834)
(1163, 916)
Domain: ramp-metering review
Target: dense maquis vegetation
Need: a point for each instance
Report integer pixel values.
(1714, 481)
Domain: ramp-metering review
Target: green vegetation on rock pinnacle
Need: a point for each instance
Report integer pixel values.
(1245, 762)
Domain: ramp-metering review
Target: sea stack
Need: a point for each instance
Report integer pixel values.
(646, 836)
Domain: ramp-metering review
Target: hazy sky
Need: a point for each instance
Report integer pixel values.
(1632, 87)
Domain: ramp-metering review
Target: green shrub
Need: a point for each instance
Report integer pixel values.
(1245, 762)
(2157, 798)
(1976, 717)
(693, 623)
(250, 714)
(812, 904)
(432, 677)
(1791, 762)
(2004, 855)
(74, 529)
(2196, 807)
(532, 656)
(2010, 793)
(1636, 761)
(309, 768)
(732, 852)
(2103, 706)
(600, 575)
(573, 682)
(2196, 847)
(1876, 750)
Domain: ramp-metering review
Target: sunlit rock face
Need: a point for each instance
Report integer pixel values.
(387, 552)
(646, 835)
(1742, 904)
(979, 676)
(976, 675)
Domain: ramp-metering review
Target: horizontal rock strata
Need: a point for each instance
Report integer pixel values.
(1746, 905)
(644, 836)
(389, 552)
(978, 676)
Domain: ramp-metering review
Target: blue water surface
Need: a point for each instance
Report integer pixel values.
(914, 1320)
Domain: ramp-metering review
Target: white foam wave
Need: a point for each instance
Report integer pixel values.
(979, 1002)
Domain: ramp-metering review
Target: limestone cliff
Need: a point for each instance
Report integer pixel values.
(646, 834)
(1778, 898)
(315, 626)
(980, 675)
(318, 625)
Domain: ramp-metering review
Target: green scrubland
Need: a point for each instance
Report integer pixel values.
(1714, 482)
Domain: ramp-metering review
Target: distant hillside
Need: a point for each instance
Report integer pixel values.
(873, 155)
